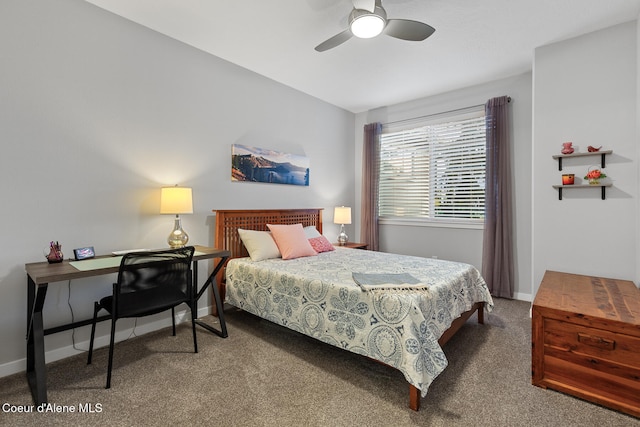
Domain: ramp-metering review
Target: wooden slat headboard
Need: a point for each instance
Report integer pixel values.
(228, 222)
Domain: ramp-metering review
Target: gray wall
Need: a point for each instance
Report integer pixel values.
(97, 114)
(465, 244)
(585, 92)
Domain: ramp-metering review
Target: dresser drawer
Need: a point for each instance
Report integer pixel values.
(591, 342)
(594, 364)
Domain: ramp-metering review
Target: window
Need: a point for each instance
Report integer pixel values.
(434, 171)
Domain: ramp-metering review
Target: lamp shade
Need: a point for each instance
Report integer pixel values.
(176, 200)
(342, 215)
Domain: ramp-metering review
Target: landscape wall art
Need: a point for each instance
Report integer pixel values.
(252, 164)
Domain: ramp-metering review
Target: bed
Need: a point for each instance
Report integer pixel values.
(402, 325)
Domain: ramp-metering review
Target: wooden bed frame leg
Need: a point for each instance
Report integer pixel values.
(414, 397)
(414, 393)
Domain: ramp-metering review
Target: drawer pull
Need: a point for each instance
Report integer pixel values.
(595, 341)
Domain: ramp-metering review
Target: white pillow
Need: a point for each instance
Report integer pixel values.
(259, 244)
(310, 231)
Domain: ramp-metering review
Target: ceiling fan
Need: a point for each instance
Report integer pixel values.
(369, 19)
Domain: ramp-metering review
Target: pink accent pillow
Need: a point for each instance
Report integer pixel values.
(321, 244)
(291, 240)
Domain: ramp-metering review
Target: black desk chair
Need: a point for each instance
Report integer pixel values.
(149, 283)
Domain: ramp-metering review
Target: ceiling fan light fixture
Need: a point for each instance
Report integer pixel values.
(365, 24)
(371, 21)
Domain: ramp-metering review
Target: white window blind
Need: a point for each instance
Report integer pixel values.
(434, 170)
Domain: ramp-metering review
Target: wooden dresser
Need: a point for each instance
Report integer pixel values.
(586, 339)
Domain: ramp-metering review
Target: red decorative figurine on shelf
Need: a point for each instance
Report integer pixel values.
(567, 148)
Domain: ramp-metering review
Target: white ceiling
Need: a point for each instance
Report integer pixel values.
(475, 41)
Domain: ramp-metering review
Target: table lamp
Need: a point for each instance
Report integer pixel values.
(175, 201)
(342, 216)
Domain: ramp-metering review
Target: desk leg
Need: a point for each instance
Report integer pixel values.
(36, 369)
(211, 281)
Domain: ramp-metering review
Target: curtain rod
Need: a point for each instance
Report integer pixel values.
(438, 114)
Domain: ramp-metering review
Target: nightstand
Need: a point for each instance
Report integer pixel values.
(353, 245)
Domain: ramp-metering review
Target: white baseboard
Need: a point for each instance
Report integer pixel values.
(523, 297)
(20, 365)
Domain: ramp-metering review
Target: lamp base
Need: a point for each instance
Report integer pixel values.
(342, 237)
(178, 238)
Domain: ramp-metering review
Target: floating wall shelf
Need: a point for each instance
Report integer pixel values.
(602, 154)
(601, 186)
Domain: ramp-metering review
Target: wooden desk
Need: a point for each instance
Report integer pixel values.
(586, 339)
(40, 274)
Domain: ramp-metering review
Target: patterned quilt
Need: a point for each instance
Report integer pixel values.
(318, 297)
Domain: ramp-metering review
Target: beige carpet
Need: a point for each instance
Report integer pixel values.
(266, 375)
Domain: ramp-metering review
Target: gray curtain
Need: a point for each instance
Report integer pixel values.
(370, 177)
(497, 246)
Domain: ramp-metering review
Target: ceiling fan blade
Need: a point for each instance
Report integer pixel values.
(334, 41)
(369, 5)
(406, 29)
